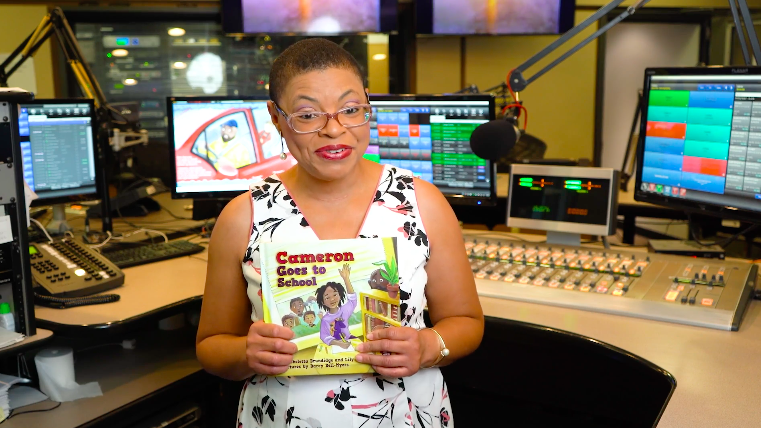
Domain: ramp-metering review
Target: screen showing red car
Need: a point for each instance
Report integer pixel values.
(223, 145)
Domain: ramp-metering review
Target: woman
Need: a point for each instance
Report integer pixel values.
(340, 195)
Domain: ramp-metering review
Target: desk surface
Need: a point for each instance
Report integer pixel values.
(147, 289)
(718, 373)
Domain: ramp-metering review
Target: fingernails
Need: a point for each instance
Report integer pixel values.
(361, 347)
(360, 358)
(370, 336)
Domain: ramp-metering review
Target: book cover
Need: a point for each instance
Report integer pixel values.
(331, 294)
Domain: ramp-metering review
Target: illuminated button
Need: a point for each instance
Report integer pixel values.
(603, 283)
(619, 285)
(618, 292)
(569, 286)
(481, 275)
(672, 295)
(509, 278)
(585, 288)
(79, 272)
(495, 276)
(524, 280)
(539, 282)
(601, 289)
(531, 260)
(680, 287)
(554, 284)
(707, 301)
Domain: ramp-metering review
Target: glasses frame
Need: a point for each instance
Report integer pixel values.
(289, 117)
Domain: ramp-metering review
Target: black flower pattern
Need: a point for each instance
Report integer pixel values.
(394, 213)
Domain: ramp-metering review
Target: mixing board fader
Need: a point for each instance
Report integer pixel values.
(699, 292)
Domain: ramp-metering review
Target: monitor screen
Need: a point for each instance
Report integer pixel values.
(58, 149)
(430, 135)
(309, 17)
(220, 145)
(700, 140)
(563, 199)
(457, 17)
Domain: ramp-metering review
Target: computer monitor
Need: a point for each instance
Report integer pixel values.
(564, 201)
(430, 135)
(494, 17)
(60, 155)
(700, 141)
(220, 145)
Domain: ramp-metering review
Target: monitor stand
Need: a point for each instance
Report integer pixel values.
(564, 238)
(58, 225)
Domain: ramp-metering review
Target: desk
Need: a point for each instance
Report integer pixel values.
(151, 290)
(718, 373)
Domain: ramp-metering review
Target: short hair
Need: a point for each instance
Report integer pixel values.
(294, 300)
(232, 123)
(321, 293)
(307, 55)
(288, 317)
(309, 313)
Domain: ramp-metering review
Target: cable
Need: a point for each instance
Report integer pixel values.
(70, 302)
(32, 411)
(110, 236)
(721, 243)
(42, 228)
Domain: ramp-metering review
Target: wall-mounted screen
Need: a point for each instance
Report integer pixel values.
(309, 17)
(462, 17)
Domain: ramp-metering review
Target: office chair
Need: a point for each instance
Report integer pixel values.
(526, 375)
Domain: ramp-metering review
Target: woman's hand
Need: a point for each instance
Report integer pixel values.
(268, 350)
(406, 350)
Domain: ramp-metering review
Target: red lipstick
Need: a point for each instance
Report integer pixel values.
(334, 152)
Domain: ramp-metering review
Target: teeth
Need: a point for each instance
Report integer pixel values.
(335, 151)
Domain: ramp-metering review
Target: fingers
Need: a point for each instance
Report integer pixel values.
(271, 330)
(388, 361)
(385, 345)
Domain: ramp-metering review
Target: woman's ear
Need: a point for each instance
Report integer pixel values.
(274, 116)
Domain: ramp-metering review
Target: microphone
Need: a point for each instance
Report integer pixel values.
(493, 140)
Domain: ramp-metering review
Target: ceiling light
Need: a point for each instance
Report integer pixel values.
(120, 52)
(379, 57)
(179, 65)
(176, 32)
(130, 82)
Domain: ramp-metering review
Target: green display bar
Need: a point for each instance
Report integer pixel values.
(529, 179)
(524, 184)
(670, 98)
(706, 149)
(573, 182)
(573, 187)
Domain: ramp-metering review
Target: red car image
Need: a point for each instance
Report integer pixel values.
(230, 146)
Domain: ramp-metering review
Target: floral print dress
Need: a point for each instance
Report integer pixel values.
(338, 401)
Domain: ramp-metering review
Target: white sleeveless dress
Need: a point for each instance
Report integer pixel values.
(343, 401)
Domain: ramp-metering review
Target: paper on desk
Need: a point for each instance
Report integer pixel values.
(6, 381)
(8, 338)
(21, 396)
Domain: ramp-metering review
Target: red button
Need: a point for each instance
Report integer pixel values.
(672, 295)
(707, 301)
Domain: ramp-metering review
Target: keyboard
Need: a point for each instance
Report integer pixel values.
(150, 253)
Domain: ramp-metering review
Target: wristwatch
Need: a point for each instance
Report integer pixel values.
(442, 353)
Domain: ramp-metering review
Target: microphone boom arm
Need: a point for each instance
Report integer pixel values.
(518, 82)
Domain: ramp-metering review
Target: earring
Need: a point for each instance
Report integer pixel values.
(283, 154)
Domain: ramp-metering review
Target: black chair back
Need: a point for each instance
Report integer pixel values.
(526, 375)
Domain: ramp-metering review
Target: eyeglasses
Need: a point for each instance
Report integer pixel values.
(314, 121)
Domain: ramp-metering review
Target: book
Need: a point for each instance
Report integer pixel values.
(331, 293)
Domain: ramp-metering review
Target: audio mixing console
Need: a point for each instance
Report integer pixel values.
(700, 292)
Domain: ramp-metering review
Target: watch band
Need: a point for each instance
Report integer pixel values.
(443, 351)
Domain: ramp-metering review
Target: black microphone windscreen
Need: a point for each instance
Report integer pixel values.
(494, 140)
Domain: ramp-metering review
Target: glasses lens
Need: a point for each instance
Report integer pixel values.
(308, 122)
(354, 116)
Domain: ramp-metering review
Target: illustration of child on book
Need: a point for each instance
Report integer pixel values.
(339, 304)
